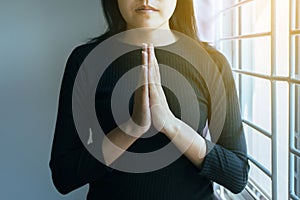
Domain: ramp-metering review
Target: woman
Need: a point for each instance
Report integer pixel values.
(202, 162)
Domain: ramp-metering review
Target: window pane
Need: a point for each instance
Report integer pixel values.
(256, 55)
(259, 146)
(256, 101)
(296, 55)
(295, 14)
(229, 22)
(230, 50)
(229, 3)
(255, 17)
(261, 180)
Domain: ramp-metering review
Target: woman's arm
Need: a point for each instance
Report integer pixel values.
(121, 138)
(226, 162)
(71, 164)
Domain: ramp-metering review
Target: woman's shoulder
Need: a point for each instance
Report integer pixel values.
(215, 54)
(77, 56)
(80, 52)
(220, 61)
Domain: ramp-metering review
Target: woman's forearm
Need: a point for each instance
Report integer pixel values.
(187, 140)
(118, 141)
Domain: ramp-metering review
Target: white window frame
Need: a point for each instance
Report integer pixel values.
(279, 31)
(294, 125)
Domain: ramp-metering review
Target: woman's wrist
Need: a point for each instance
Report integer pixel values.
(172, 127)
(133, 129)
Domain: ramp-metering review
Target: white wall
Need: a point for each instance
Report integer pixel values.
(36, 38)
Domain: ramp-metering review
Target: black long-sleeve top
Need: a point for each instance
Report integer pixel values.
(226, 163)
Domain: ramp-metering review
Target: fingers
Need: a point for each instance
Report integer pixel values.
(156, 93)
(153, 92)
(154, 77)
(142, 95)
(141, 110)
(143, 81)
(156, 66)
(144, 73)
(153, 64)
(145, 55)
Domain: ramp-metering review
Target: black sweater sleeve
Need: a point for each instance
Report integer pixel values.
(226, 162)
(72, 166)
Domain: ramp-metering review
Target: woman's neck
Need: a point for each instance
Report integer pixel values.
(158, 37)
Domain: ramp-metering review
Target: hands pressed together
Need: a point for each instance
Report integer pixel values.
(151, 108)
(150, 103)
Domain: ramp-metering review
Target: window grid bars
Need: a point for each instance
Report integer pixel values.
(253, 183)
(294, 197)
(295, 32)
(258, 129)
(245, 36)
(293, 152)
(260, 166)
(273, 78)
(237, 5)
(268, 77)
(274, 155)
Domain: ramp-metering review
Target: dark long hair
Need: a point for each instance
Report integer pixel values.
(183, 19)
